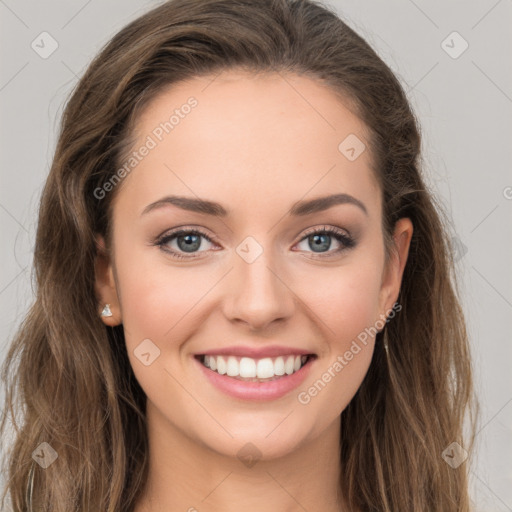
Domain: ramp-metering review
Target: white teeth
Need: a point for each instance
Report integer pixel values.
(249, 368)
(233, 368)
(279, 366)
(265, 368)
(289, 364)
(222, 367)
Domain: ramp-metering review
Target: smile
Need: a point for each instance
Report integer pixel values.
(254, 370)
(248, 378)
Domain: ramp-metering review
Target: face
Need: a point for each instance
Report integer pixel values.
(263, 279)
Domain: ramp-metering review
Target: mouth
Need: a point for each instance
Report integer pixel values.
(248, 369)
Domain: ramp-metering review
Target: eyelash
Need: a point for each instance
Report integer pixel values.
(345, 240)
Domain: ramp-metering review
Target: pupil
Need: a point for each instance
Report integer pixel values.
(192, 242)
(317, 244)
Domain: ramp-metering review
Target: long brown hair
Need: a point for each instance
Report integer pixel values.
(68, 378)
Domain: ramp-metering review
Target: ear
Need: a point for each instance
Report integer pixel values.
(392, 278)
(105, 285)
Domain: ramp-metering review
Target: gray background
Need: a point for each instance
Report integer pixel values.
(464, 105)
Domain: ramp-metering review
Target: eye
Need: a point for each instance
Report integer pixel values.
(320, 240)
(184, 243)
(181, 241)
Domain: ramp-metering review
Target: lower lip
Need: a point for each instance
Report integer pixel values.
(269, 390)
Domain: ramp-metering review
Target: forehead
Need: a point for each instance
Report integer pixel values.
(250, 137)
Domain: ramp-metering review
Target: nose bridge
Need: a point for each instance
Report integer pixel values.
(257, 292)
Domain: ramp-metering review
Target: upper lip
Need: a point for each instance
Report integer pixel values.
(256, 352)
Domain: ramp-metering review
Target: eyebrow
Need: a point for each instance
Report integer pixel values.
(299, 209)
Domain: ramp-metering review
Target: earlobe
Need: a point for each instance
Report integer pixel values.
(105, 286)
(402, 236)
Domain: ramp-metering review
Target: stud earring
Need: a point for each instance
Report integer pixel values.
(106, 311)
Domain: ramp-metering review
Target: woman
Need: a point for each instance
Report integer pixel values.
(244, 289)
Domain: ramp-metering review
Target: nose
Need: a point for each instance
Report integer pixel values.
(258, 294)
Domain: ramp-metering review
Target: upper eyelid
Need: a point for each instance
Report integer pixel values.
(191, 229)
(329, 229)
(176, 231)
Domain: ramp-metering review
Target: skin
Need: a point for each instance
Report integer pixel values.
(257, 144)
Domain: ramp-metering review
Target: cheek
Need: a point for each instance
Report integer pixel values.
(160, 304)
(345, 300)
(157, 297)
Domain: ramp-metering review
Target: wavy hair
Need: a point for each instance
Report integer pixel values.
(67, 376)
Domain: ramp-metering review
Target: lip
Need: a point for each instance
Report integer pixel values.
(256, 391)
(257, 352)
